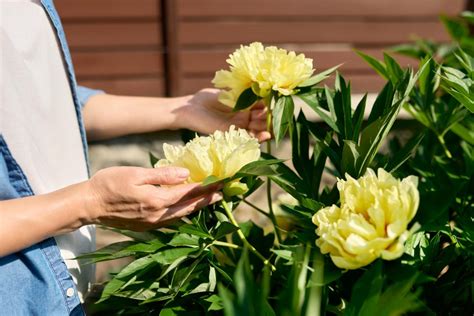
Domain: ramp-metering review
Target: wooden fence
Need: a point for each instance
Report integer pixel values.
(173, 47)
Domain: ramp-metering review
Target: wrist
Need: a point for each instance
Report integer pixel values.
(183, 118)
(88, 207)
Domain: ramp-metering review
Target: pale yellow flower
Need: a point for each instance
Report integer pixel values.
(371, 222)
(263, 69)
(221, 154)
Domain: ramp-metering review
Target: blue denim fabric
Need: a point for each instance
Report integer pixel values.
(35, 281)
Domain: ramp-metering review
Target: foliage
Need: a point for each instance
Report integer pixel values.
(211, 265)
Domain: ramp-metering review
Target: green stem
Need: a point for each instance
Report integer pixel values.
(224, 244)
(443, 144)
(242, 237)
(258, 209)
(317, 280)
(269, 182)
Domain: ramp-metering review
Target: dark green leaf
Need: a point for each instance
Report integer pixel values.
(225, 228)
(406, 152)
(153, 159)
(245, 100)
(358, 118)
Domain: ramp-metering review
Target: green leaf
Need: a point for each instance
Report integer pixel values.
(184, 240)
(211, 180)
(314, 80)
(378, 66)
(245, 100)
(216, 303)
(350, 157)
(342, 107)
(107, 252)
(382, 103)
(468, 16)
(456, 28)
(366, 292)
(170, 255)
(111, 288)
(264, 167)
(137, 265)
(358, 118)
(225, 228)
(282, 116)
(404, 154)
(300, 147)
(153, 159)
(393, 69)
(311, 99)
(193, 230)
(284, 254)
(465, 133)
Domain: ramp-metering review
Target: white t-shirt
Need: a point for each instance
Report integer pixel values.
(38, 118)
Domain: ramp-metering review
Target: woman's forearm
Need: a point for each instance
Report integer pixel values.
(26, 221)
(107, 116)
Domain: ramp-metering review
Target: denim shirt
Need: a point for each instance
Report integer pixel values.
(36, 281)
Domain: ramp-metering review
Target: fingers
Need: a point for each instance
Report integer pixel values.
(187, 207)
(258, 113)
(263, 136)
(184, 192)
(164, 175)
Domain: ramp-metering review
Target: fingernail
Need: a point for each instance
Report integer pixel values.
(182, 173)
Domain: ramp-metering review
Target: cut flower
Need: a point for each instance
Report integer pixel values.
(371, 222)
(263, 69)
(221, 154)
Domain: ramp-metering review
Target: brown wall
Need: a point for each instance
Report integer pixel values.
(173, 47)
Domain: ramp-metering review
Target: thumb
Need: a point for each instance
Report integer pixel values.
(165, 175)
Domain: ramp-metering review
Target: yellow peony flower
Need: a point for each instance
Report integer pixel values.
(371, 222)
(221, 154)
(263, 69)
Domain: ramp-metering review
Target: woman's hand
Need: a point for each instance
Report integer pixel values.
(203, 113)
(123, 197)
(142, 198)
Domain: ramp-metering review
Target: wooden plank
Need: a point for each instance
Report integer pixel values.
(361, 32)
(129, 86)
(319, 8)
(114, 34)
(208, 61)
(360, 83)
(117, 63)
(171, 26)
(103, 9)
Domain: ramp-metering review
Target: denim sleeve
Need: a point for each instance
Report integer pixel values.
(83, 94)
(7, 191)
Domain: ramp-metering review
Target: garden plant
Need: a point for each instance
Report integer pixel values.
(391, 234)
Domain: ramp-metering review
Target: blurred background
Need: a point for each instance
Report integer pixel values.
(173, 48)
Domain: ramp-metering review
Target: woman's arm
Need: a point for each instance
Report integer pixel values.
(124, 197)
(107, 116)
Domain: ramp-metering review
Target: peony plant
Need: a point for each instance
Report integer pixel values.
(261, 70)
(372, 221)
(395, 241)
